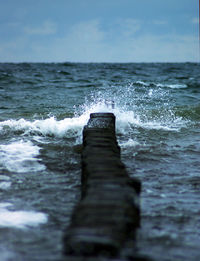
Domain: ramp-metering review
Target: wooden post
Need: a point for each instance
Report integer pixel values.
(109, 210)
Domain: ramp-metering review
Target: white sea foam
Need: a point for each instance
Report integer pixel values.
(162, 85)
(177, 86)
(49, 126)
(171, 86)
(129, 143)
(5, 182)
(71, 127)
(4, 178)
(123, 117)
(142, 83)
(126, 118)
(5, 185)
(159, 126)
(20, 219)
(20, 156)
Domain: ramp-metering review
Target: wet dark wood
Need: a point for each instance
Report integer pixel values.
(109, 210)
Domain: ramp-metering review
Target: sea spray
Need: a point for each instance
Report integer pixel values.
(50, 126)
(128, 114)
(157, 122)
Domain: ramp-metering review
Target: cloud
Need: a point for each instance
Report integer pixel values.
(89, 42)
(160, 22)
(129, 27)
(93, 41)
(87, 32)
(83, 42)
(46, 28)
(167, 48)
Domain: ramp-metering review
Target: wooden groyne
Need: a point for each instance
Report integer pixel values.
(108, 211)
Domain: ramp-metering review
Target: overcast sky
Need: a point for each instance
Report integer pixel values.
(99, 30)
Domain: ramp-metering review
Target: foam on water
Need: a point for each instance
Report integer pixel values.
(68, 127)
(128, 113)
(164, 124)
(49, 126)
(177, 86)
(5, 185)
(162, 85)
(20, 156)
(5, 182)
(172, 86)
(20, 219)
(129, 143)
(158, 147)
(126, 118)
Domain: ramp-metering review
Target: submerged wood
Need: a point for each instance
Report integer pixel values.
(108, 211)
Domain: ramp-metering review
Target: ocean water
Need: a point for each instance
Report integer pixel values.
(43, 108)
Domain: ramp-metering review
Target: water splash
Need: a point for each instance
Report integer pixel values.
(137, 104)
(50, 126)
(129, 112)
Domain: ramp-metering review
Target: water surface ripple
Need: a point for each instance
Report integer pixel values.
(43, 108)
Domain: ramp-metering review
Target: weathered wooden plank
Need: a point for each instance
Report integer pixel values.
(109, 208)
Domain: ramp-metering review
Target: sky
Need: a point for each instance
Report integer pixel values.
(99, 31)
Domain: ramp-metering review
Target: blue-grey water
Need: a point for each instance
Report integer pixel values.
(43, 108)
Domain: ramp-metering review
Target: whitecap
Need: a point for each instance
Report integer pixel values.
(162, 85)
(20, 156)
(153, 125)
(49, 126)
(142, 83)
(172, 86)
(126, 119)
(177, 86)
(4, 178)
(129, 143)
(5, 185)
(5, 205)
(20, 219)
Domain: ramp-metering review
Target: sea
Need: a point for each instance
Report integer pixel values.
(43, 109)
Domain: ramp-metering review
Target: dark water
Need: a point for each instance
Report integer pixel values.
(43, 108)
